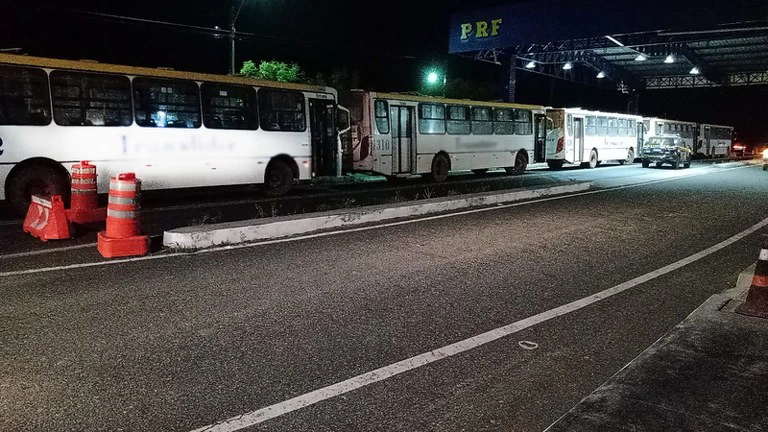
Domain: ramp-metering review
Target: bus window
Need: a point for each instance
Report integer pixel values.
(24, 97)
(166, 103)
(523, 122)
(282, 110)
(613, 127)
(602, 126)
(503, 122)
(382, 116)
(458, 120)
(481, 121)
(229, 107)
(631, 128)
(431, 118)
(591, 129)
(90, 99)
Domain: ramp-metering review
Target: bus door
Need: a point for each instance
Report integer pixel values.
(640, 138)
(707, 133)
(578, 139)
(540, 135)
(322, 125)
(403, 142)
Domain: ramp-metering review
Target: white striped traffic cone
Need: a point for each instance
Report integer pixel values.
(757, 298)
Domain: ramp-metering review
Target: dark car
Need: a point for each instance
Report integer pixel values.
(666, 149)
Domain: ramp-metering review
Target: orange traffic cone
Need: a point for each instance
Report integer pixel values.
(83, 207)
(46, 218)
(123, 235)
(757, 298)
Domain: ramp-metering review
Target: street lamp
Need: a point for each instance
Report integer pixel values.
(434, 77)
(235, 14)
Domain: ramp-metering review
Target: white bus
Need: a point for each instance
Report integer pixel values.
(715, 140)
(655, 127)
(399, 135)
(173, 129)
(587, 137)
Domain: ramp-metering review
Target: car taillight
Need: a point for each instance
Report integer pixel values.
(560, 144)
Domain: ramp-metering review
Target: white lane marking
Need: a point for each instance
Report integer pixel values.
(337, 232)
(46, 251)
(380, 374)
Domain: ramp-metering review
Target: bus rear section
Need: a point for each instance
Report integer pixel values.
(556, 140)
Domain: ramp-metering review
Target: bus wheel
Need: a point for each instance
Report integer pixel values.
(36, 180)
(521, 163)
(279, 178)
(630, 158)
(593, 162)
(440, 168)
(480, 171)
(555, 165)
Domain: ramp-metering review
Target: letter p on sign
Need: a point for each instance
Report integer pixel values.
(466, 30)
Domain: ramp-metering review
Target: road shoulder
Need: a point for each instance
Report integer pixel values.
(707, 373)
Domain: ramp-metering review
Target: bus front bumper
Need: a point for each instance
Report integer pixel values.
(666, 157)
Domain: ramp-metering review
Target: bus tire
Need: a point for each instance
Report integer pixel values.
(36, 180)
(630, 158)
(521, 163)
(441, 165)
(593, 162)
(555, 165)
(278, 179)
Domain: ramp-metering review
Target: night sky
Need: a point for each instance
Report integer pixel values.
(390, 43)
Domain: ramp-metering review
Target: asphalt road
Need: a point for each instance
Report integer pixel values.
(172, 209)
(179, 342)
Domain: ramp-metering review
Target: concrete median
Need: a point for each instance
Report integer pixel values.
(206, 236)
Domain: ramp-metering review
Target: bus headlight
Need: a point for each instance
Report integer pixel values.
(765, 154)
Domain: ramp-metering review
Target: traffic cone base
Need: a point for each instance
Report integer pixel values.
(756, 304)
(46, 218)
(83, 216)
(122, 247)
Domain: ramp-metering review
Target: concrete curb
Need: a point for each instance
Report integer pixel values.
(201, 237)
(743, 283)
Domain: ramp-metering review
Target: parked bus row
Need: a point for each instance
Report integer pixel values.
(185, 130)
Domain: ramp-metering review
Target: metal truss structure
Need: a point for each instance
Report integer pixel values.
(734, 55)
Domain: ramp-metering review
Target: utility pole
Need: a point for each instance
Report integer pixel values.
(234, 15)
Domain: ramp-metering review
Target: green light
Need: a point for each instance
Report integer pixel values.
(432, 77)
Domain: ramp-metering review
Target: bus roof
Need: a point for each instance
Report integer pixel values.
(588, 112)
(418, 98)
(716, 125)
(669, 120)
(93, 66)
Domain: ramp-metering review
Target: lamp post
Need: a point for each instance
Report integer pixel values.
(235, 14)
(434, 76)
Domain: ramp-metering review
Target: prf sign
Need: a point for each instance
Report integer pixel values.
(480, 29)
